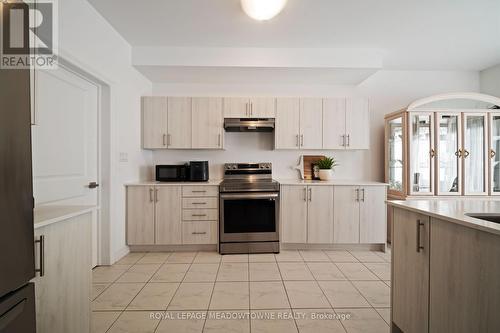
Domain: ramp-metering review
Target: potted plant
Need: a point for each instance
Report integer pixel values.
(325, 166)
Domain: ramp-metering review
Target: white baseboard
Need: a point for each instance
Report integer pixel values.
(117, 255)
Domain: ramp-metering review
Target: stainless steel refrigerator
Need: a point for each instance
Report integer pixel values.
(17, 267)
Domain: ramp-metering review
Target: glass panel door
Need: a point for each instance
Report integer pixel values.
(421, 153)
(448, 154)
(395, 162)
(495, 153)
(474, 154)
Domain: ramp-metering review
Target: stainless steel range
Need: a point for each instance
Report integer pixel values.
(249, 209)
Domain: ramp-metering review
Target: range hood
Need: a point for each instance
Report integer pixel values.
(248, 125)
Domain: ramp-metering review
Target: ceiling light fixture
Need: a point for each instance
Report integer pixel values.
(262, 10)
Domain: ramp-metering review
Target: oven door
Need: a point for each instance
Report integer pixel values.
(249, 217)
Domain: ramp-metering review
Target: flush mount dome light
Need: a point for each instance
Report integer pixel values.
(262, 10)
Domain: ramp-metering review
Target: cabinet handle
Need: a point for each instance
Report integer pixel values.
(41, 243)
(199, 203)
(363, 197)
(198, 215)
(169, 140)
(151, 195)
(458, 153)
(305, 194)
(164, 139)
(433, 153)
(156, 195)
(419, 224)
(218, 140)
(297, 140)
(246, 109)
(199, 191)
(466, 153)
(343, 140)
(348, 140)
(492, 153)
(251, 109)
(357, 194)
(199, 233)
(302, 140)
(310, 194)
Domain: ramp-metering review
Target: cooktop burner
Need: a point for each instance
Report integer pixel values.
(248, 177)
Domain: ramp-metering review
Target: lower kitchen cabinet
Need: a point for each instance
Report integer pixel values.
(168, 215)
(410, 282)
(320, 214)
(172, 214)
(293, 214)
(63, 292)
(323, 214)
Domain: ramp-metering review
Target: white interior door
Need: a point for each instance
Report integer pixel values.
(65, 142)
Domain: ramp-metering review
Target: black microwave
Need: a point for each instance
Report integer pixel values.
(172, 173)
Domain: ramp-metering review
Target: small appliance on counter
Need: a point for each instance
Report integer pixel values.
(194, 171)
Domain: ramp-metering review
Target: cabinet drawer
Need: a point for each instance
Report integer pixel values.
(199, 232)
(200, 191)
(203, 202)
(200, 214)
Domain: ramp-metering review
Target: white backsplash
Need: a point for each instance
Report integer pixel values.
(258, 147)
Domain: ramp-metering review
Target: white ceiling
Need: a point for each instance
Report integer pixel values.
(414, 34)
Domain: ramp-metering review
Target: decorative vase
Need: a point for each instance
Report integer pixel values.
(325, 174)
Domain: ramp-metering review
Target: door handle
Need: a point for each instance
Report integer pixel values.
(93, 185)
(41, 243)
(156, 195)
(150, 195)
(419, 224)
(305, 194)
(310, 194)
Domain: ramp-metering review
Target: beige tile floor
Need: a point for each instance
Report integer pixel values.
(294, 291)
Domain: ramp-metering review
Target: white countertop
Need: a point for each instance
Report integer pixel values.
(329, 182)
(455, 210)
(45, 215)
(211, 182)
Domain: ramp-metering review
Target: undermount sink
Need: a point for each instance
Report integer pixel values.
(485, 216)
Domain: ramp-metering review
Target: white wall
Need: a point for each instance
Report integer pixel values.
(388, 91)
(89, 41)
(490, 81)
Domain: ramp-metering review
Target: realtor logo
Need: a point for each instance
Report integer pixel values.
(29, 34)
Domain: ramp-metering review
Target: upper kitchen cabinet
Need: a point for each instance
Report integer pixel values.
(443, 145)
(207, 123)
(298, 123)
(253, 107)
(346, 123)
(179, 123)
(154, 122)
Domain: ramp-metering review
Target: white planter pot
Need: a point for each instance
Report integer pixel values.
(325, 174)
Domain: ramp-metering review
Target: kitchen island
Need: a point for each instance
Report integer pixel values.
(445, 266)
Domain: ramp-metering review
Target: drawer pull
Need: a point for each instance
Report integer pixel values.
(198, 215)
(41, 242)
(199, 233)
(199, 191)
(199, 203)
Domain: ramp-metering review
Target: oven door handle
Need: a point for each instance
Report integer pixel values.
(234, 196)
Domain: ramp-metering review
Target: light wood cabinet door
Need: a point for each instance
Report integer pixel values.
(179, 122)
(140, 215)
(357, 122)
(236, 107)
(168, 209)
(372, 215)
(154, 122)
(346, 215)
(207, 123)
(410, 272)
(62, 295)
(311, 123)
(464, 279)
(293, 214)
(262, 107)
(287, 132)
(320, 214)
(334, 133)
